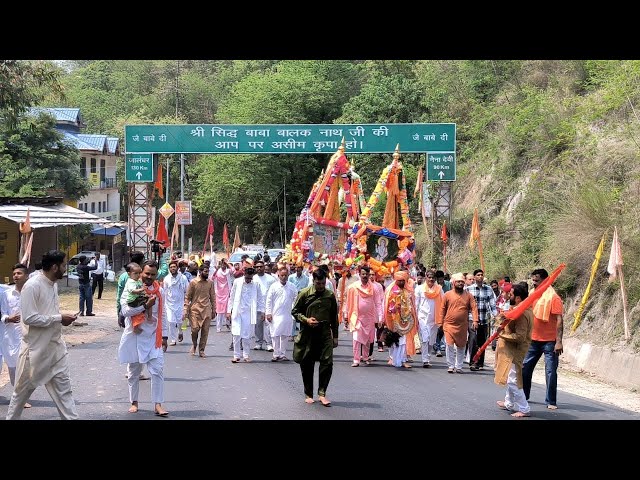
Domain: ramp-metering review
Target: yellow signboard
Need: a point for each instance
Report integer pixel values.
(94, 179)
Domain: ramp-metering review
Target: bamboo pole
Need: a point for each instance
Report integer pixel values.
(625, 315)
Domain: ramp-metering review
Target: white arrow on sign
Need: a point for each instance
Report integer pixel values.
(441, 174)
(139, 175)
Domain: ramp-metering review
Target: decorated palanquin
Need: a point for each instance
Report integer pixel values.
(329, 214)
(384, 247)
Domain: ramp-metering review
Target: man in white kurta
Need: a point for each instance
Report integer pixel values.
(243, 312)
(11, 333)
(429, 297)
(174, 289)
(43, 356)
(263, 282)
(138, 349)
(280, 299)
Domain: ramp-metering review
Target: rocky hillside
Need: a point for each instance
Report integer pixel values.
(551, 161)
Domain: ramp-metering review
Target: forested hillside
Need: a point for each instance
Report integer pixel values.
(547, 151)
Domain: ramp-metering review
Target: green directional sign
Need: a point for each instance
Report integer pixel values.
(302, 138)
(441, 167)
(138, 167)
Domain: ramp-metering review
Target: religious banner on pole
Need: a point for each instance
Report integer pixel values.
(183, 212)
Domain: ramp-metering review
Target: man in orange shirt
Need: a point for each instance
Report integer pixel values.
(546, 338)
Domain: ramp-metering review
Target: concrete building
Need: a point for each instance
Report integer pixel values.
(98, 154)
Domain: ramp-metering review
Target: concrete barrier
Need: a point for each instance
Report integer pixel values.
(619, 368)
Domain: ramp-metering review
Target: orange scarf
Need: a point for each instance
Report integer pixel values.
(542, 308)
(436, 295)
(365, 291)
(154, 289)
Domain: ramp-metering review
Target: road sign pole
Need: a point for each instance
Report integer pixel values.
(182, 200)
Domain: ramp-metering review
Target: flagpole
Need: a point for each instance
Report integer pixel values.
(445, 257)
(480, 251)
(627, 335)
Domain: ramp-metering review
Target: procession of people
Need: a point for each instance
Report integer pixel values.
(262, 310)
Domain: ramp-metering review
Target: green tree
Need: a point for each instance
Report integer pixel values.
(36, 161)
(23, 85)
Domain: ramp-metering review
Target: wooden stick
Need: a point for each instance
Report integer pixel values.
(625, 316)
(480, 251)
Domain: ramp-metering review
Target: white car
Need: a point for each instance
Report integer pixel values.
(109, 274)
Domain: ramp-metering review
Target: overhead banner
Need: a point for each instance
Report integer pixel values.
(301, 138)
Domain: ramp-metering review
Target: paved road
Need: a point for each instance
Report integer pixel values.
(213, 388)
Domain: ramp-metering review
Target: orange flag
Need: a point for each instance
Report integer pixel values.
(516, 312)
(158, 183)
(236, 240)
(418, 184)
(475, 235)
(475, 229)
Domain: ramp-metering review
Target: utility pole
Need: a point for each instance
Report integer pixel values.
(177, 85)
(284, 195)
(166, 196)
(279, 222)
(182, 200)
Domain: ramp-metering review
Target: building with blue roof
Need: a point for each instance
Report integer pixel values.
(98, 154)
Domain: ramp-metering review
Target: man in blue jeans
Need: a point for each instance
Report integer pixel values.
(84, 286)
(546, 338)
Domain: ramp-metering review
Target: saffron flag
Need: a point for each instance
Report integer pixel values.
(225, 236)
(594, 268)
(475, 235)
(475, 229)
(418, 183)
(26, 239)
(158, 183)
(615, 258)
(236, 240)
(161, 234)
(519, 310)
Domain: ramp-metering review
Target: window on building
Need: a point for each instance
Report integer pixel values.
(104, 206)
(103, 170)
(93, 207)
(99, 207)
(83, 167)
(93, 165)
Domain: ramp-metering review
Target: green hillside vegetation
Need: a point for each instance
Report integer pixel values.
(547, 151)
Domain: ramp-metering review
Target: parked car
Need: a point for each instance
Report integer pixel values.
(236, 257)
(89, 254)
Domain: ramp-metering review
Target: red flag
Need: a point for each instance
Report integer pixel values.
(158, 183)
(162, 234)
(208, 235)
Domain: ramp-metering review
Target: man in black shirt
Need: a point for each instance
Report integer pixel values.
(84, 286)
